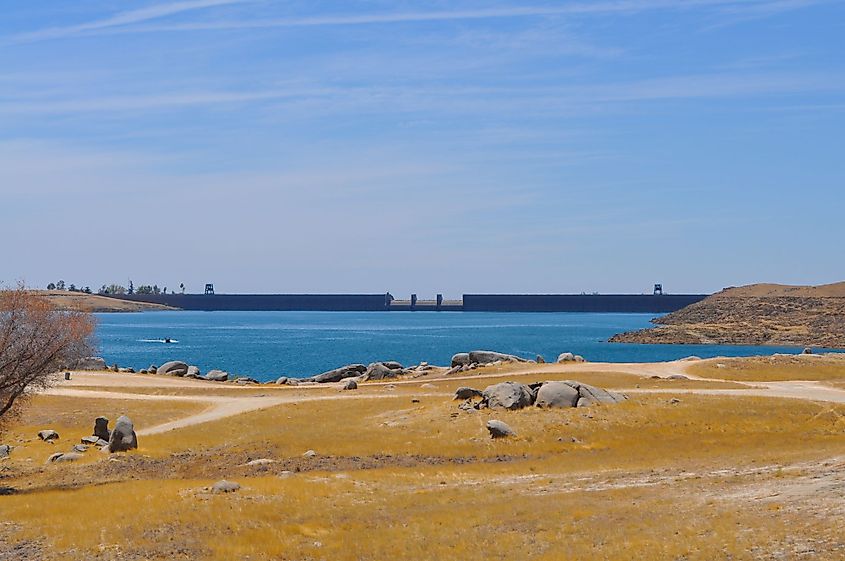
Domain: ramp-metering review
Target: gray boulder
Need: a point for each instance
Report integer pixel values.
(101, 428)
(216, 376)
(557, 395)
(378, 371)
(48, 435)
(540, 359)
(123, 436)
(507, 395)
(486, 357)
(173, 368)
(126, 370)
(282, 380)
(5, 451)
(460, 359)
(94, 441)
(80, 448)
(338, 374)
(350, 384)
(153, 369)
(393, 365)
(225, 487)
(90, 363)
(499, 429)
(193, 372)
(64, 457)
(467, 393)
(591, 395)
(243, 380)
(569, 357)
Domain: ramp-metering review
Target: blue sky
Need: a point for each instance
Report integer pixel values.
(426, 147)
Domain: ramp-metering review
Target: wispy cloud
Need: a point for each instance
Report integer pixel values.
(122, 19)
(126, 22)
(321, 98)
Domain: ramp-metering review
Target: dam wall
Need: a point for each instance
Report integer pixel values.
(266, 302)
(608, 303)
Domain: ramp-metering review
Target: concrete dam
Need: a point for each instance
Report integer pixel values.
(602, 303)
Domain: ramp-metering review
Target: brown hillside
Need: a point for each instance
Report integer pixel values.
(759, 314)
(836, 290)
(77, 301)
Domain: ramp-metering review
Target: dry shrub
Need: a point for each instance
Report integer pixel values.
(36, 340)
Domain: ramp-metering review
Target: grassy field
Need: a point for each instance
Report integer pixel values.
(402, 473)
(774, 369)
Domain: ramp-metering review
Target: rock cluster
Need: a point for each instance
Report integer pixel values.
(514, 395)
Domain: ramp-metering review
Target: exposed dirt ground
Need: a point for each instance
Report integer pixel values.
(740, 461)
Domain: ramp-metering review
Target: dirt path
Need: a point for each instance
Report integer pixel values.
(223, 406)
(218, 407)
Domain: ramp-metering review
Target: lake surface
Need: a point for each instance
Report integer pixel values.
(266, 345)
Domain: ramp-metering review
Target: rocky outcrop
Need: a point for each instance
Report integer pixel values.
(380, 371)
(5, 451)
(123, 436)
(93, 363)
(173, 368)
(349, 384)
(754, 315)
(507, 395)
(499, 429)
(486, 357)
(193, 372)
(513, 396)
(338, 374)
(460, 359)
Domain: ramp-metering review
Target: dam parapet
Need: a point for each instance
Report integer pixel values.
(595, 303)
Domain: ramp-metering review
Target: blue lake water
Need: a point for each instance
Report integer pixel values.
(266, 345)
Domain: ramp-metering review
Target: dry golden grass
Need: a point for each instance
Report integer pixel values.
(703, 478)
(73, 418)
(387, 514)
(773, 369)
(647, 431)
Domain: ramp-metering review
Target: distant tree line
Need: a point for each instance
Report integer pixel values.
(69, 287)
(113, 289)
